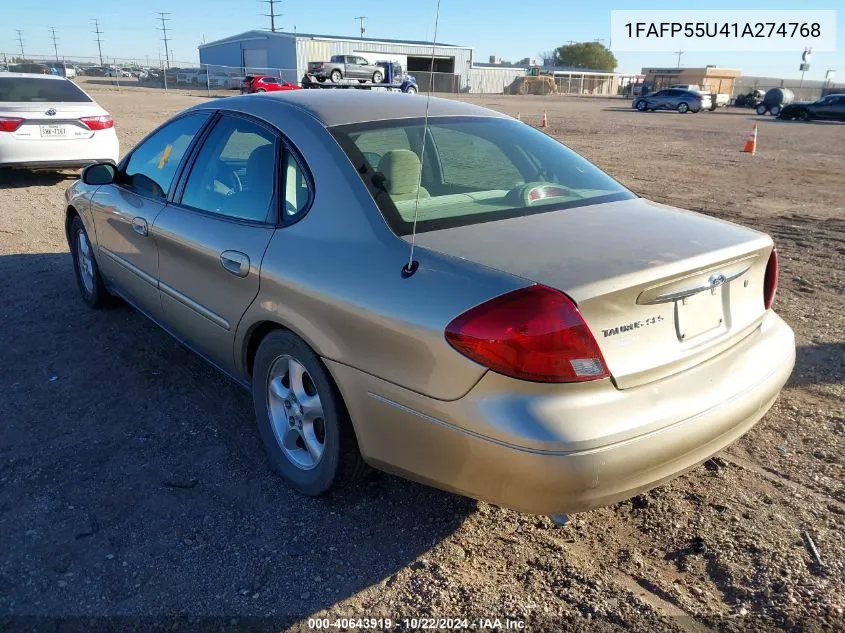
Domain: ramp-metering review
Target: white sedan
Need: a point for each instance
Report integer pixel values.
(48, 122)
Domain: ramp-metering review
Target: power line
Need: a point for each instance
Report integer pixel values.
(55, 45)
(679, 53)
(272, 15)
(361, 19)
(98, 33)
(20, 41)
(163, 29)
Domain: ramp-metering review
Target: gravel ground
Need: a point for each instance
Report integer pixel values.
(134, 492)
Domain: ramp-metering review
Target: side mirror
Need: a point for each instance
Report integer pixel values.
(99, 174)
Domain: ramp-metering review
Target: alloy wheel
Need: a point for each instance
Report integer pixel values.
(296, 413)
(84, 261)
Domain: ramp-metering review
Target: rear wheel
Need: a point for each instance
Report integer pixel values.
(761, 109)
(87, 273)
(411, 90)
(775, 110)
(336, 76)
(683, 107)
(301, 417)
(378, 77)
(260, 90)
(806, 116)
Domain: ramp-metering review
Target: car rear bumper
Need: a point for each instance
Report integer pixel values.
(38, 153)
(550, 449)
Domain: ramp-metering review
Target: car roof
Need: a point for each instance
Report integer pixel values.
(35, 76)
(342, 107)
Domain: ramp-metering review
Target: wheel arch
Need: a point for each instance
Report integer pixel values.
(256, 332)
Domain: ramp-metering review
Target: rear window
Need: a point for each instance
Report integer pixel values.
(33, 89)
(475, 170)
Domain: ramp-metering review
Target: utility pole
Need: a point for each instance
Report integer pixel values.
(20, 41)
(679, 53)
(272, 15)
(361, 19)
(163, 29)
(55, 45)
(98, 33)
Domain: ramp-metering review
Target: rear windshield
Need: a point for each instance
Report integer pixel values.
(33, 89)
(475, 170)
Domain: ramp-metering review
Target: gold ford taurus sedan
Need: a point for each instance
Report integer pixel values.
(553, 343)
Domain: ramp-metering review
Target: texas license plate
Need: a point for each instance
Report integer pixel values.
(53, 130)
(699, 313)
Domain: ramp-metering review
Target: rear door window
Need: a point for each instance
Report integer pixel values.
(35, 90)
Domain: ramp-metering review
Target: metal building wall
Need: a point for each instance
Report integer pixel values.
(493, 80)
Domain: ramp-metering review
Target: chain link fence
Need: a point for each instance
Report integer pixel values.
(809, 90)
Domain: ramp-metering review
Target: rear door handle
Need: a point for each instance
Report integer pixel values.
(139, 225)
(235, 262)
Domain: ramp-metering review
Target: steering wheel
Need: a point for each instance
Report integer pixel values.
(534, 193)
(226, 180)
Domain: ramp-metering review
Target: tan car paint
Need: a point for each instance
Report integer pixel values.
(425, 411)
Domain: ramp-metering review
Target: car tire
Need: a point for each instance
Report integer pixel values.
(289, 379)
(91, 285)
(776, 110)
(260, 90)
(336, 76)
(683, 107)
(806, 116)
(642, 106)
(378, 77)
(761, 109)
(412, 90)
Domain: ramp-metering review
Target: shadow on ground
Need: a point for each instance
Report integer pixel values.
(134, 482)
(817, 364)
(18, 178)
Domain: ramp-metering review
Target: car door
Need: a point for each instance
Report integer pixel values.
(837, 110)
(361, 69)
(657, 101)
(212, 238)
(125, 211)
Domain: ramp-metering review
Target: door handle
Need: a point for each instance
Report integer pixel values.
(139, 225)
(235, 262)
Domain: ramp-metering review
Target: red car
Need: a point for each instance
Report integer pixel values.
(266, 83)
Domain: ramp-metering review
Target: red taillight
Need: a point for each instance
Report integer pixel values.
(97, 122)
(8, 124)
(533, 333)
(770, 285)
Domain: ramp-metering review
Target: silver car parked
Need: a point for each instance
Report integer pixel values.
(673, 99)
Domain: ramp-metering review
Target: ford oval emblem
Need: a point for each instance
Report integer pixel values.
(716, 280)
(50, 112)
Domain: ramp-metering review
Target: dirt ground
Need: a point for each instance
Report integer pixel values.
(133, 485)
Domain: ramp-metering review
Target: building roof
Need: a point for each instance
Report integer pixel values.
(341, 107)
(348, 38)
(502, 65)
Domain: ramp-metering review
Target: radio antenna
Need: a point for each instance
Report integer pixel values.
(411, 267)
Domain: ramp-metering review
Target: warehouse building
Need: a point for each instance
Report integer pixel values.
(287, 55)
(709, 78)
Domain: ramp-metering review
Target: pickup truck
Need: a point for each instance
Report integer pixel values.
(346, 67)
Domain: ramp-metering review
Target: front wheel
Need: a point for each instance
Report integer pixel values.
(87, 273)
(411, 90)
(336, 76)
(806, 116)
(761, 109)
(378, 77)
(302, 418)
(683, 107)
(642, 106)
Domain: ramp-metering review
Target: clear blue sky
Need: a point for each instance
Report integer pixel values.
(509, 29)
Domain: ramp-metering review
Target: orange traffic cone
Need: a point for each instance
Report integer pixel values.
(751, 142)
(545, 122)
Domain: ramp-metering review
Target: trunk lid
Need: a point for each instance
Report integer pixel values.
(46, 121)
(662, 289)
